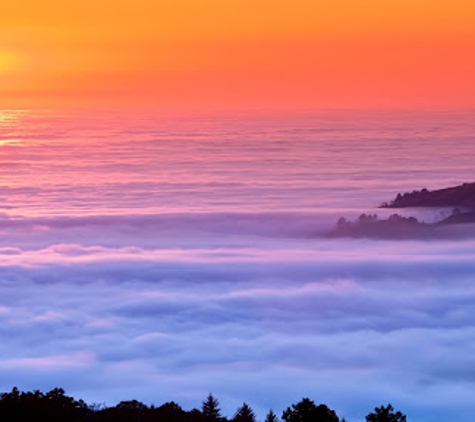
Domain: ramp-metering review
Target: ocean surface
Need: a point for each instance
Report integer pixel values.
(152, 257)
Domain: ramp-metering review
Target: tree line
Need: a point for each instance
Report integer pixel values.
(56, 406)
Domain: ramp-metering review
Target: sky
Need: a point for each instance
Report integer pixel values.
(244, 54)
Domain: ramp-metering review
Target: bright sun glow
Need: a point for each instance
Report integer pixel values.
(7, 62)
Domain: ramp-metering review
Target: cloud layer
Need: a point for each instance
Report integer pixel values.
(352, 323)
(156, 262)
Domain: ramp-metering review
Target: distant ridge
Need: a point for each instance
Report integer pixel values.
(462, 196)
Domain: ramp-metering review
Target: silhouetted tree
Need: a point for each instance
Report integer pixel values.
(342, 222)
(385, 414)
(307, 411)
(194, 415)
(244, 414)
(54, 406)
(167, 412)
(125, 411)
(210, 409)
(271, 417)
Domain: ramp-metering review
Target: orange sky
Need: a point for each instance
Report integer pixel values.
(238, 53)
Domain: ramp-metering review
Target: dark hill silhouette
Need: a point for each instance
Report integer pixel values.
(459, 217)
(462, 196)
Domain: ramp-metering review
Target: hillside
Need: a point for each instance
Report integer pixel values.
(462, 196)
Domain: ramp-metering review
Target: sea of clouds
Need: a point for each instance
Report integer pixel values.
(114, 313)
(165, 264)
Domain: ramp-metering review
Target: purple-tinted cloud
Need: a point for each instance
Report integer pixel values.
(158, 261)
(319, 318)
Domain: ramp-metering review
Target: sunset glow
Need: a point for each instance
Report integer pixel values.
(297, 54)
(7, 63)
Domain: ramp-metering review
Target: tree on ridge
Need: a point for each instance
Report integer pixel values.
(271, 417)
(306, 411)
(210, 409)
(385, 414)
(244, 414)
